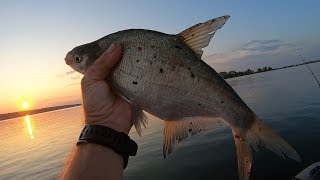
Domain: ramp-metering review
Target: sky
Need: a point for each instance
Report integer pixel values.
(36, 35)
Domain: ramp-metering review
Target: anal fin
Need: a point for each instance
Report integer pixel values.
(176, 130)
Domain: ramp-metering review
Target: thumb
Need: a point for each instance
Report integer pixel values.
(102, 67)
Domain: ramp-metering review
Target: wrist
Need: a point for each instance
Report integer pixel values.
(107, 121)
(110, 125)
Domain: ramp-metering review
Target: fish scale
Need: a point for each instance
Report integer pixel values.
(164, 75)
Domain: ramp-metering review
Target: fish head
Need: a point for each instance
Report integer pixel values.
(82, 57)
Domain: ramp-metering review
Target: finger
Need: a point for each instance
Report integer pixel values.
(102, 67)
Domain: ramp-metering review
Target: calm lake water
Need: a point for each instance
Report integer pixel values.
(288, 100)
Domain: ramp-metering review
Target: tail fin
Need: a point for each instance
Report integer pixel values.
(244, 156)
(260, 135)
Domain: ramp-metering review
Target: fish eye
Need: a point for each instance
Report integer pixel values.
(77, 59)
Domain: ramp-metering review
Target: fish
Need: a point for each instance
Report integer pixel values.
(164, 75)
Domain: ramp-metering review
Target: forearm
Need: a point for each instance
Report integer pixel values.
(93, 161)
(102, 108)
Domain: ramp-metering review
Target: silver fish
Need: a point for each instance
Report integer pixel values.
(164, 75)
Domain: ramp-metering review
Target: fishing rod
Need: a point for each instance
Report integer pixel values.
(302, 59)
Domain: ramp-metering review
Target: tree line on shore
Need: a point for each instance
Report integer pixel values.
(232, 74)
(34, 111)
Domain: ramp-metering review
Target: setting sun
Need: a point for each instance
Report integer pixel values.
(25, 105)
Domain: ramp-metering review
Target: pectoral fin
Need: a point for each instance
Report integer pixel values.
(139, 118)
(176, 130)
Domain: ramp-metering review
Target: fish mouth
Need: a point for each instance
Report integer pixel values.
(67, 60)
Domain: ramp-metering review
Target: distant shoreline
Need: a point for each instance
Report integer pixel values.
(233, 74)
(34, 111)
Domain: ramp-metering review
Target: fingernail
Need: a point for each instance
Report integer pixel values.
(111, 48)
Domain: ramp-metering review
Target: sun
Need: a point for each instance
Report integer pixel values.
(25, 105)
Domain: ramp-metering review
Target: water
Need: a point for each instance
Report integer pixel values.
(287, 100)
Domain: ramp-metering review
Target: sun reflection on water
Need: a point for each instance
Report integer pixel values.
(27, 118)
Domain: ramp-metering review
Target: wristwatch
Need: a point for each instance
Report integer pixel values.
(118, 141)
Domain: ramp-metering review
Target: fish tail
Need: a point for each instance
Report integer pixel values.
(260, 135)
(244, 156)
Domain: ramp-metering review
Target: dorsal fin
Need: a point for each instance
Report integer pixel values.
(199, 35)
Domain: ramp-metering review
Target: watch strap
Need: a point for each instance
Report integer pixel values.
(118, 141)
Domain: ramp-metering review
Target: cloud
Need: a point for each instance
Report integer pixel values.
(70, 72)
(66, 73)
(228, 56)
(71, 75)
(73, 84)
(75, 77)
(252, 52)
(266, 45)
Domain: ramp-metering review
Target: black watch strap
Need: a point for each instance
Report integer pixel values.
(118, 141)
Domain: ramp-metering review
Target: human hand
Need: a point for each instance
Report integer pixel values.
(101, 105)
